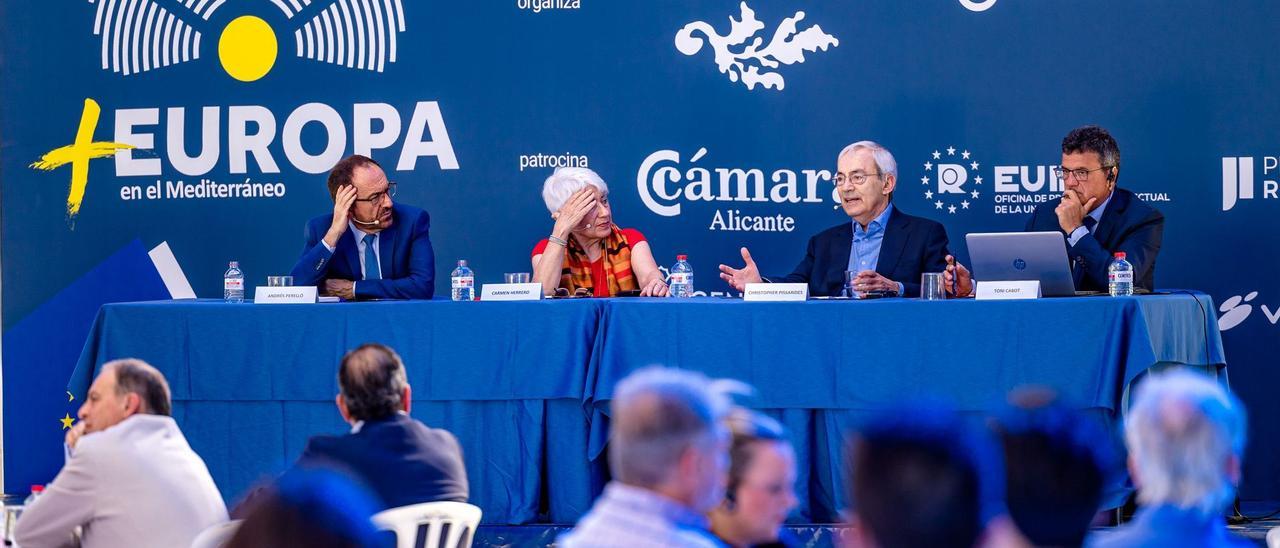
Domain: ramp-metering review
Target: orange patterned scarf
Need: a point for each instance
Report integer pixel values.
(617, 265)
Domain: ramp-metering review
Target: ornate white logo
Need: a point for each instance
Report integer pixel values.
(748, 62)
(977, 5)
(951, 175)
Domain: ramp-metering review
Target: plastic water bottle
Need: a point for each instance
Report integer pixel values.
(36, 491)
(681, 279)
(233, 283)
(464, 282)
(1120, 276)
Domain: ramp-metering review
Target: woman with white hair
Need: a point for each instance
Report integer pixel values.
(586, 253)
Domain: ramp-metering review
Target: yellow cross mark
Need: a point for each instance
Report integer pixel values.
(78, 155)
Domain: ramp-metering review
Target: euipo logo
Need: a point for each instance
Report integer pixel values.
(748, 62)
(1237, 309)
(1238, 179)
(977, 5)
(951, 175)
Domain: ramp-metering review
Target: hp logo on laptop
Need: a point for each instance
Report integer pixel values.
(1019, 264)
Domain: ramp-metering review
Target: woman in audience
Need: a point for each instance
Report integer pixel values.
(315, 508)
(761, 487)
(586, 254)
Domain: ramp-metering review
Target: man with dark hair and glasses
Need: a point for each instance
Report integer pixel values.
(886, 248)
(369, 247)
(1096, 217)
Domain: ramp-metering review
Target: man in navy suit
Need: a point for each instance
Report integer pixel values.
(886, 247)
(1096, 218)
(369, 247)
(400, 459)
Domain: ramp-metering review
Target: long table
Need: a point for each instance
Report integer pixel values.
(526, 385)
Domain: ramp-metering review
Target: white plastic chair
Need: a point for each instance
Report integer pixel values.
(460, 517)
(216, 536)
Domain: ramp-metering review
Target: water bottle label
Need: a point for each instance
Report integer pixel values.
(680, 278)
(1122, 276)
(461, 282)
(232, 283)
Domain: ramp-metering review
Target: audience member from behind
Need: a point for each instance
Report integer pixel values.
(1057, 464)
(918, 478)
(1186, 438)
(401, 459)
(311, 508)
(668, 455)
(762, 478)
(130, 479)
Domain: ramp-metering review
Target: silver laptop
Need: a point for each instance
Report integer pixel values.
(1010, 256)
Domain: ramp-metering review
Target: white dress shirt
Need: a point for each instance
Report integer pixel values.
(135, 484)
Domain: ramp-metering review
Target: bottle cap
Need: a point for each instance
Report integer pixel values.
(235, 264)
(1120, 255)
(37, 488)
(681, 257)
(462, 262)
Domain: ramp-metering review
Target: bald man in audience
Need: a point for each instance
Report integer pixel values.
(131, 479)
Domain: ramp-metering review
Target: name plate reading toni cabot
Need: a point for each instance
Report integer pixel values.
(776, 292)
(511, 292)
(1008, 291)
(285, 295)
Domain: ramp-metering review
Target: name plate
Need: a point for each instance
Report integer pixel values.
(1008, 291)
(285, 295)
(511, 292)
(776, 292)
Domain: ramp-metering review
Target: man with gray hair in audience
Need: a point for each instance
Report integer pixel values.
(669, 457)
(131, 479)
(1186, 437)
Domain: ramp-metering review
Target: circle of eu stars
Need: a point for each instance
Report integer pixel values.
(937, 198)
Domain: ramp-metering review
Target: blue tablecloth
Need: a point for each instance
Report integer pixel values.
(526, 386)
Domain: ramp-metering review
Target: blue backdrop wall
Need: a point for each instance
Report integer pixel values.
(716, 124)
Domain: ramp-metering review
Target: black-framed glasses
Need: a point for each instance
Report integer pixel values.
(377, 198)
(855, 177)
(1079, 174)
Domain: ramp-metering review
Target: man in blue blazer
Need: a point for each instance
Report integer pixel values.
(400, 459)
(1096, 218)
(886, 247)
(369, 247)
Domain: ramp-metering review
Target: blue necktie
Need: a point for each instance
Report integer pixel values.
(371, 270)
(1077, 266)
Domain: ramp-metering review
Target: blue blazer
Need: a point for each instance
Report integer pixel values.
(400, 459)
(405, 257)
(911, 246)
(1128, 224)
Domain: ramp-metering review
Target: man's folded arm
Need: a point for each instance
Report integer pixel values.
(67, 503)
(314, 263)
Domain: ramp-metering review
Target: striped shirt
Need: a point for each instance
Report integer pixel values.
(630, 516)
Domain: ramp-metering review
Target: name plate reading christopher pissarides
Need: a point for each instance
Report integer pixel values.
(284, 295)
(776, 292)
(1007, 291)
(511, 292)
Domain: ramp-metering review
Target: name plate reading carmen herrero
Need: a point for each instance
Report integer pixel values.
(511, 292)
(285, 295)
(776, 292)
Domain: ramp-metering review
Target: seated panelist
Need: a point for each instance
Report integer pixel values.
(586, 254)
(888, 248)
(369, 247)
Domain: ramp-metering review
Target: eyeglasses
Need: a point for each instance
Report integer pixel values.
(377, 198)
(856, 177)
(1079, 174)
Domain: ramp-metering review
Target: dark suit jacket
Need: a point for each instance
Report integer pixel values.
(1128, 224)
(911, 246)
(405, 257)
(400, 459)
